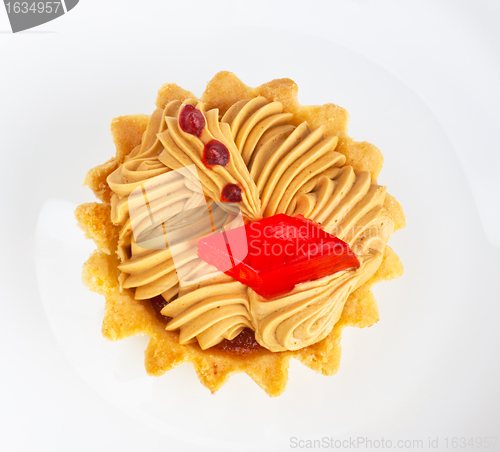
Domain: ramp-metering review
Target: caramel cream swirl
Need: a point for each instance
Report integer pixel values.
(281, 157)
(308, 313)
(139, 166)
(282, 168)
(348, 206)
(210, 314)
(164, 253)
(149, 267)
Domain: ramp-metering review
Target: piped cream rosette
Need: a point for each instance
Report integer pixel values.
(282, 168)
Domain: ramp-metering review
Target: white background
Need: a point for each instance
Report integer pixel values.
(420, 80)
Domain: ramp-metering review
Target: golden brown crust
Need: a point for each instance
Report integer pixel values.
(125, 316)
(95, 179)
(169, 92)
(95, 220)
(395, 212)
(127, 133)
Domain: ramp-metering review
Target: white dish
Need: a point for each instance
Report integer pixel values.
(422, 371)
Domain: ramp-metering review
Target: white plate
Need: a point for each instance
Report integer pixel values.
(428, 369)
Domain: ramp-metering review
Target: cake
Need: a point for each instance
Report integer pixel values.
(178, 203)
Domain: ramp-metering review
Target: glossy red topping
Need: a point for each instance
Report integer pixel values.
(191, 120)
(243, 344)
(231, 193)
(282, 251)
(215, 153)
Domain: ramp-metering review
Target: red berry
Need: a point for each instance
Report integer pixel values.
(191, 120)
(215, 153)
(231, 193)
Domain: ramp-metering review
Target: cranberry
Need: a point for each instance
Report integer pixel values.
(231, 193)
(191, 120)
(215, 153)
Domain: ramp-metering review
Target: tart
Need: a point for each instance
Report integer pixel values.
(173, 230)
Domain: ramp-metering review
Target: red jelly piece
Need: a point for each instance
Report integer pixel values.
(282, 251)
(191, 120)
(215, 153)
(231, 193)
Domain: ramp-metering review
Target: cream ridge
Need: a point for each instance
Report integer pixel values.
(282, 168)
